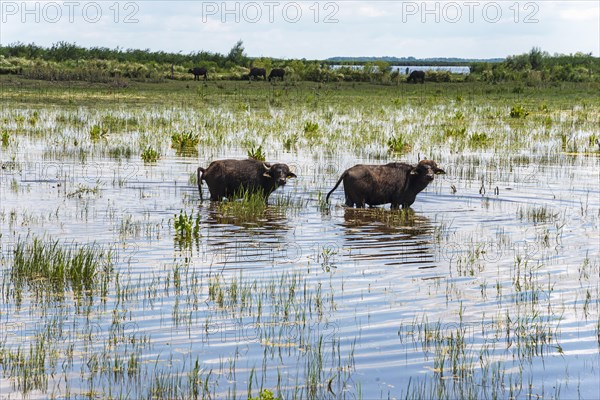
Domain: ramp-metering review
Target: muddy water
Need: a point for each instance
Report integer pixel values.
(487, 290)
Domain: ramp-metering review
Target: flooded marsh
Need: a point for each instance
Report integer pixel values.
(118, 282)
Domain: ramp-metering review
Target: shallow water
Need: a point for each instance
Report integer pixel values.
(470, 293)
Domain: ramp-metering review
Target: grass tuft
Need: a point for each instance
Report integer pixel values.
(149, 155)
(48, 264)
(250, 206)
(518, 111)
(398, 144)
(185, 143)
(97, 132)
(257, 153)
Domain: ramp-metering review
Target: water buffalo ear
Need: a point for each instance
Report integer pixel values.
(291, 175)
(439, 171)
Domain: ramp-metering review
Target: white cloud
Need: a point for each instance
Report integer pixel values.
(371, 12)
(581, 14)
(359, 28)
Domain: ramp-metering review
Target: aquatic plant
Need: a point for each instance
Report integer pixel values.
(479, 139)
(257, 153)
(5, 137)
(150, 155)
(187, 228)
(398, 144)
(517, 111)
(246, 206)
(185, 142)
(97, 132)
(47, 264)
(311, 129)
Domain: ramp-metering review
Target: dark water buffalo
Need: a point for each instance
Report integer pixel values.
(395, 183)
(416, 76)
(276, 73)
(197, 71)
(256, 72)
(228, 178)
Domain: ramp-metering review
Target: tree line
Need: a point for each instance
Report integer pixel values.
(68, 61)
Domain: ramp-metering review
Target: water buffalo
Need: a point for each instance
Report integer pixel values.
(256, 72)
(276, 73)
(197, 71)
(229, 178)
(416, 76)
(395, 183)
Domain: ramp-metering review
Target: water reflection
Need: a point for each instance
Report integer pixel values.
(239, 239)
(395, 237)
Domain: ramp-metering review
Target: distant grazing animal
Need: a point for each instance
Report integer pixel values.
(277, 73)
(256, 72)
(395, 183)
(416, 76)
(197, 71)
(229, 178)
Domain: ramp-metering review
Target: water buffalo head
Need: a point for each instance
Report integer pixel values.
(427, 169)
(279, 173)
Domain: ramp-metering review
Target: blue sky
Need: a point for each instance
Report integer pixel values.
(312, 29)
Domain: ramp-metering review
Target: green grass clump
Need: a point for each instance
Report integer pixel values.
(84, 190)
(48, 264)
(398, 144)
(518, 111)
(265, 394)
(149, 155)
(97, 132)
(257, 153)
(185, 142)
(479, 140)
(593, 141)
(187, 228)
(311, 129)
(5, 138)
(290, 142)
(250, 206)
(459, 133)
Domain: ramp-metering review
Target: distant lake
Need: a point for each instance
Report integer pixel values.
(455, 69)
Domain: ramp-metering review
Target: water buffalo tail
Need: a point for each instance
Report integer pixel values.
(335, 187)
(199, 174)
